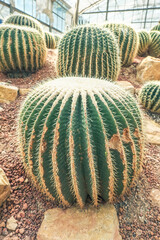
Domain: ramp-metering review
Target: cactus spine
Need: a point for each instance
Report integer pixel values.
(24, 20)
(154, 47)
(127, 39)
(144, 42)
(80, 137)
(21, 49)
(50, 41)
(88, 51)
(149, 96)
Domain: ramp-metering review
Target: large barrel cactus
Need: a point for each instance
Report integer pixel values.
(127, 39)
(81, 137)
(156, 28)
(88, 51)
(144, 42)
(154, 47)
(149, 96)
(23, 20)
(57, 40)
(21, 49)
(50, 41)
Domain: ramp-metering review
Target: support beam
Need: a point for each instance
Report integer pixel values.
(146, 14)
(107, 7)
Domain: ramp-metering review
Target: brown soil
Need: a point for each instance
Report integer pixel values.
(139, 215)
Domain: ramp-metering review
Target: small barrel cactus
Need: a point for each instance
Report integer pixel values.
(127, 39)
(144, 42)
(57, 40)
(24, 20)
(149, 96)
(156, 28)
(50, 40)
(21, 49)
(88, 51)
(81, 137)
(154, 47)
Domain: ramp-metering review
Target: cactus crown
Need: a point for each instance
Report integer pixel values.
(144, 42)
(156, 28)
(127, 39)
(23, 20)
(80, 137)
(88, 51)
(154, 47)
(21, 49)
(50, 40)
(149, 96)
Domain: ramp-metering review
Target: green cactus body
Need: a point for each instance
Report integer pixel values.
(88, 52)
(80, 137)
(24, 20)
(156, 28)
(149, 96)
(21, 49)
(144, 42)
(50, 41)
(57, 40)
(127, 39)
(154, 47)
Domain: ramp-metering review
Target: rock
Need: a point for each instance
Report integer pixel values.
(11, 224)
(87, 224)
(4, 187)
(148, 70)
(7, 93)
(25, 206)
(21, 230)
(24, 91)
(20, 215)
(4, 232)
(1, 109)
(2, 225)
(155, 195)
(152, 131)
(127, 86)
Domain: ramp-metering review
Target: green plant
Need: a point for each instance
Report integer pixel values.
(57, 40)
(80, 137)
(127, 39)
(23, 20)
(22, 49)
(156, 28)
(149, 96)
(50, 40)
(154, 47)
(144, 42)
(88, 51)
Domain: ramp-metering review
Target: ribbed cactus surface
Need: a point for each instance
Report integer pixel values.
(57, 40)
(154, 47)
(149, 96)
(127, 39)
(156, 28)
(21, 49)
(24, 20)
(50, 40)
(81, 137)
(144, 42)
(88, 51)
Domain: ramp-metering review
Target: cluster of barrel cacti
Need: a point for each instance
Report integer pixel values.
(89, 51)
(144, 42)
(127, 39)
(81, 137)
(149, 96)
(23, 44)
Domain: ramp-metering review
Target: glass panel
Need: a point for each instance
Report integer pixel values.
(19, 4)
(29, 6)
